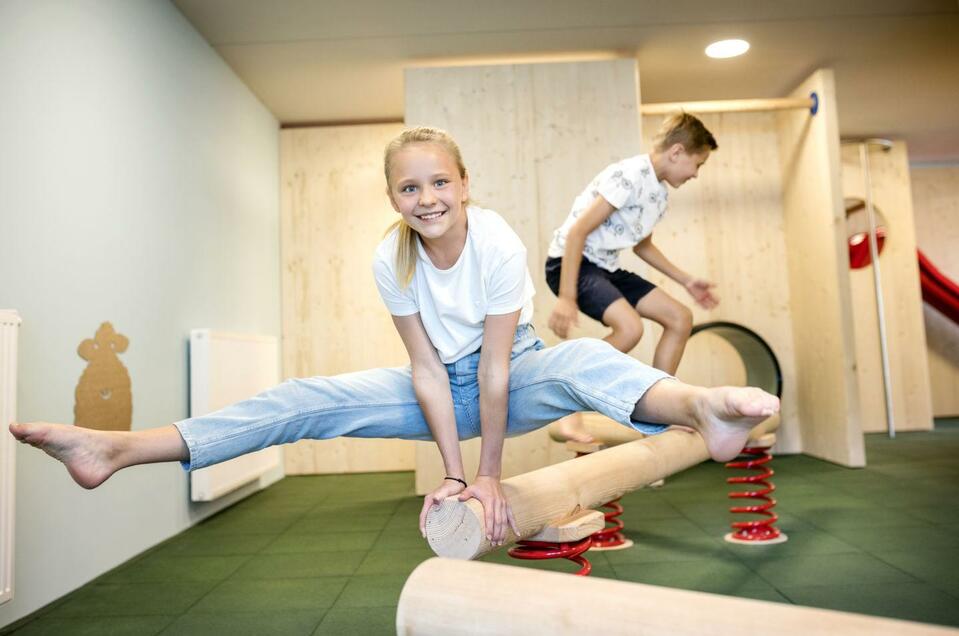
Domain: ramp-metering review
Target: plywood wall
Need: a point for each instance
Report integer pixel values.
(334, 212)
(902, 302)
(727, 226)
(820, 297)
(935, 195)
(532, 136)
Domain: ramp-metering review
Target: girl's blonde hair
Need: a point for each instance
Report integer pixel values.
(406, 237)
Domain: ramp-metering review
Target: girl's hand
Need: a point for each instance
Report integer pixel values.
(447, 489)
(699, 290)
(489, 492)
(565, 315)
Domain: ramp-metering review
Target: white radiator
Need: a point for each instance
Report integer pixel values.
(9, 328)
(226, 368)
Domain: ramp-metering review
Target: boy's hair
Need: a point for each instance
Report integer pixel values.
(685, 129)
(406, 237)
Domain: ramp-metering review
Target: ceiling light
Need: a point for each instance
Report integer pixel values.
(727, 48)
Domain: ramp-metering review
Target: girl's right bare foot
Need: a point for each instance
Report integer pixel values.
(725, 416)
(87, 454)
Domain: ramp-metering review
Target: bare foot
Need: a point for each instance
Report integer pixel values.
(726, 415)
(86, 453)
(572, 430)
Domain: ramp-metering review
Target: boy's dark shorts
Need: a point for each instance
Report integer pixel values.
(597, 288)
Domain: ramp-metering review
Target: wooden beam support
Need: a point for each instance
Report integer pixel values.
(455, 529)
(443, 597)
(572, 528)
(729, 106)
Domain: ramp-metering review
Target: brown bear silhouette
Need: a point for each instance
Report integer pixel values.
(103, 397)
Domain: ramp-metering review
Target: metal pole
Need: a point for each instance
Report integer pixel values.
(877, 280)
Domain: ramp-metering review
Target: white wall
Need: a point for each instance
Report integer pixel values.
(138, 184)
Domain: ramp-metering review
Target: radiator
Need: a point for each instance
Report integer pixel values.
(226, 368)
(9, 328)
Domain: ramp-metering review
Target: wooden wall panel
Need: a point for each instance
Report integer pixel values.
(727, 226)
(532, 136)
(334, 212)
(935, 195)
(820, 298)
(905, 332)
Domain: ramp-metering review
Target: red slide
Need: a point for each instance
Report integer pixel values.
(937, 289)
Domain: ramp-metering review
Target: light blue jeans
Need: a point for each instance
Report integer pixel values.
(545, 384)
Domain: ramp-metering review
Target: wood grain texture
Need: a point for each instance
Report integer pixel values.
(935, 195)
(444, 597)
(334, 212)
(827, 392)
(540, 497)
(902, 300)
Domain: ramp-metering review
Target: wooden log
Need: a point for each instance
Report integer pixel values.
(456, 529)
(572, 528)
(728, 106)
(447, 597)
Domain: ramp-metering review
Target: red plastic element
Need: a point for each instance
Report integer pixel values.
(611, 536)
(540, 550)
(937, 289)
(859, 255)
(761, 530)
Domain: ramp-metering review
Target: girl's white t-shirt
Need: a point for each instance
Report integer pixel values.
(489, 278)
(640, 200)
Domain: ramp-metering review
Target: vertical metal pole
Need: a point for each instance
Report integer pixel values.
(877, 280)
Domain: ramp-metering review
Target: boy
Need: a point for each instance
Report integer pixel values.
(616, 210)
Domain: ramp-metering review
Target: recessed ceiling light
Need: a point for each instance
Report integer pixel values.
(727, 48)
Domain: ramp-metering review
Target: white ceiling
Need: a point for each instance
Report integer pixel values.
(328, 61)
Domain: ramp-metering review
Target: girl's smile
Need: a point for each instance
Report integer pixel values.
(428, 191)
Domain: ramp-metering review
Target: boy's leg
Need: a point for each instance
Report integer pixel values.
(626, 325)
(375, 403)
(590, 375)
(677, 322)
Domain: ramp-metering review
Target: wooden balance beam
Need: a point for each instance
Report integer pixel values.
(444, 597)
(455, 529)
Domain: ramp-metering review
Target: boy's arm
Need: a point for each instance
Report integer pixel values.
(565, 314)
(698, 288)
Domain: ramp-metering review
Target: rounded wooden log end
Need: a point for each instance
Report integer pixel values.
(453, 530)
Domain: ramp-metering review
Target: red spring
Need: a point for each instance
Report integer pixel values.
(761, 530)
(611, 536)
(539, 550)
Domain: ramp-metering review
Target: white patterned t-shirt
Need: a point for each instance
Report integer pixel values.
(640, 200)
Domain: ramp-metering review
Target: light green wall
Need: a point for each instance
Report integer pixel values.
(138, 184)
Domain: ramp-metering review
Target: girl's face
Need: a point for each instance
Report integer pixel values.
(427, 190)
(681, 166)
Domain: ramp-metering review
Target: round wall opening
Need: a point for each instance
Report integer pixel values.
(857, 232)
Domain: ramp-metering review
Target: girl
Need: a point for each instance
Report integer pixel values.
(454, 278)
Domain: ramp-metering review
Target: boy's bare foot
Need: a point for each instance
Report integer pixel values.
(726, 415)
(86, 453)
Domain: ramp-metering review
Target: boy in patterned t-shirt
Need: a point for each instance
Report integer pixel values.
(618, 209)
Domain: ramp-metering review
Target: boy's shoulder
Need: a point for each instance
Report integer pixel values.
(637, 163)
